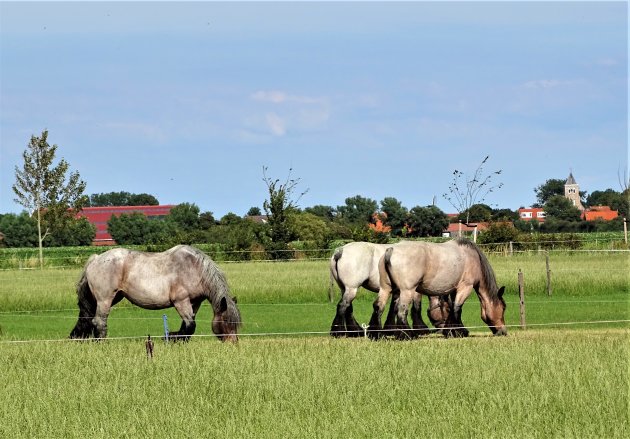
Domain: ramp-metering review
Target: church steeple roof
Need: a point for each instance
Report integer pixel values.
(570, 180)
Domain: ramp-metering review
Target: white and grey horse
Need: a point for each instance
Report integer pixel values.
(182, 277)
(355, 265)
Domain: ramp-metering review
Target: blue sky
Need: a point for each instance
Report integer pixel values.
(188, 101)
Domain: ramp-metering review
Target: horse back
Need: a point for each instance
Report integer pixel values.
(358, 265)
(431, 268)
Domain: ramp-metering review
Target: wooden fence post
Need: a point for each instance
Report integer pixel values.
(511, 248)
(625, 230)
(521, 294)
(548, 274)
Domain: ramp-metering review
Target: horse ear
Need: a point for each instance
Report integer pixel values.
(500, 292)
(223, 305)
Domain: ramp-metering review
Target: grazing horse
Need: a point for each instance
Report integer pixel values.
(182, 277)
(355, 265)
(451, 268)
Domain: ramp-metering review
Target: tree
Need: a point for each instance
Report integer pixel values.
(122, 199)
(504, 215)
(206, 220)
(309, 227)
(553, 186)
(137, 229)
(322, 211)
(254, 211)
(427, 221)
(18, 230)
(559, 207)
(358, 210)
(43, 188)
(395, 215)
(185, 216)
(476, 213)
(472, 190)
(277, 208)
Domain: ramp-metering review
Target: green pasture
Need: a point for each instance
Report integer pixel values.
(531, 384)
(293, 297)
(565, 375)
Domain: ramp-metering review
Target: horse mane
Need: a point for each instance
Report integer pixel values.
(487, 273)
(215, 283)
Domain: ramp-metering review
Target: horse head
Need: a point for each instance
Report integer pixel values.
(493, 313)
(227, 320)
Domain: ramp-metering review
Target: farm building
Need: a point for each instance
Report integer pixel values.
(600, 212)
(531, 213)
(100, 215)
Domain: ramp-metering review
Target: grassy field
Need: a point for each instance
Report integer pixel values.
(566, 375)
(531, 384)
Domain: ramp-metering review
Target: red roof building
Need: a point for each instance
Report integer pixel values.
(100, 215)
(531, 213)
(600, 212)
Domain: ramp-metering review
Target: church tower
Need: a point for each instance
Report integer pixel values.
(572, 192)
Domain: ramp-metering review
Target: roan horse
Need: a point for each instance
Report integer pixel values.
(455, 266)
(355, 265)
(182, 277)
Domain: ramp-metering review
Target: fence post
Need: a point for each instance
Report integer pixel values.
(625, 231)
(521, 294)
(548, 274)
(164, 319)
(511, 248)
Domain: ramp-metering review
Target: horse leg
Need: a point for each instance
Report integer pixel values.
(338, 328)
(99, 321)
(417, 324)
(186, 311)
(374, 328)
(404, 300)
(458, 329)
(353, 329)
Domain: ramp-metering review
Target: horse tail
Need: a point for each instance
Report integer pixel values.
(487, 273)
(334, 273)
(87, 306)
(387, 261)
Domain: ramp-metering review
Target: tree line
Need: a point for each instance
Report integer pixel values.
(53, 196)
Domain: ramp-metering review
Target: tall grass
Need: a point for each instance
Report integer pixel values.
(533, 384)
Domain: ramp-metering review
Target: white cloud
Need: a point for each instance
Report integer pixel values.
(276, 124)
(280, 97)
(550, 83)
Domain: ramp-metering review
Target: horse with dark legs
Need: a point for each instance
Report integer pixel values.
(355, 265)
(182, 277)
(451, 269)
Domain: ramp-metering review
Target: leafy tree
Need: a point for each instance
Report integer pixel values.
(472, 190)
(476, 213)
(277, 208)
(122, 199)
(230, 219)
(498, 232)
(79, 232)
(306, 226)
(504, 215)
(358, 210)
(395, 215)
(206, 220)
(254, 211)
(18, 230)
(322, 211)
(553, 186)
(427, 221)
(185, 216)
(43, 188)
(137, 229)
(559, 207)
